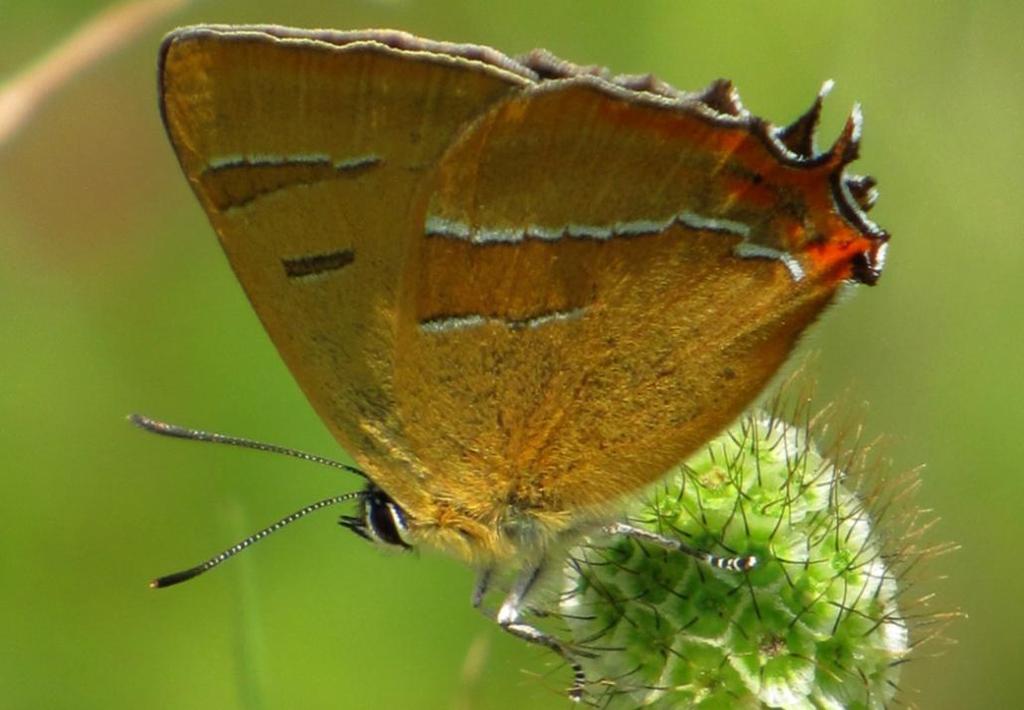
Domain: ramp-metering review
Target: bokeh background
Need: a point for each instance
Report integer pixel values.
(114, 297)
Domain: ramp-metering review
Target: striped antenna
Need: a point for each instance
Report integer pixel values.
(179, 432)
(185, 575)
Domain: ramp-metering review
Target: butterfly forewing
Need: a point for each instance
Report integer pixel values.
(305, 149)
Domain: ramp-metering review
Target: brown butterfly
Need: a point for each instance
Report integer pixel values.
(515, 290)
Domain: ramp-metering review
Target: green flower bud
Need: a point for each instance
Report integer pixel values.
(816, 624)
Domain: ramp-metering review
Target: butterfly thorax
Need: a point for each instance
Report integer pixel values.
(493, 531)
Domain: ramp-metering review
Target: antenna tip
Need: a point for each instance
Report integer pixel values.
(178, 577)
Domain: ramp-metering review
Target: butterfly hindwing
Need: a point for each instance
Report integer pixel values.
(580, 314)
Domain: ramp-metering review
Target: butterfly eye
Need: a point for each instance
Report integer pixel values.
(385, 521)
(379, 519)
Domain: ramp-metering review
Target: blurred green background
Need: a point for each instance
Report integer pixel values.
(114, 297)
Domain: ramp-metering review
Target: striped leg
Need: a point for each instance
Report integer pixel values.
(734, 564)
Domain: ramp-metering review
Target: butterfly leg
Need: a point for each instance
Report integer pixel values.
(509, 619)
(483, 583)
(734, 564)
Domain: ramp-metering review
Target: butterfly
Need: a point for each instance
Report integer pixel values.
(516, 290)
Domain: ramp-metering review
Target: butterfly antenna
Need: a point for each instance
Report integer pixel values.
(180, 432)
(185, 575)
